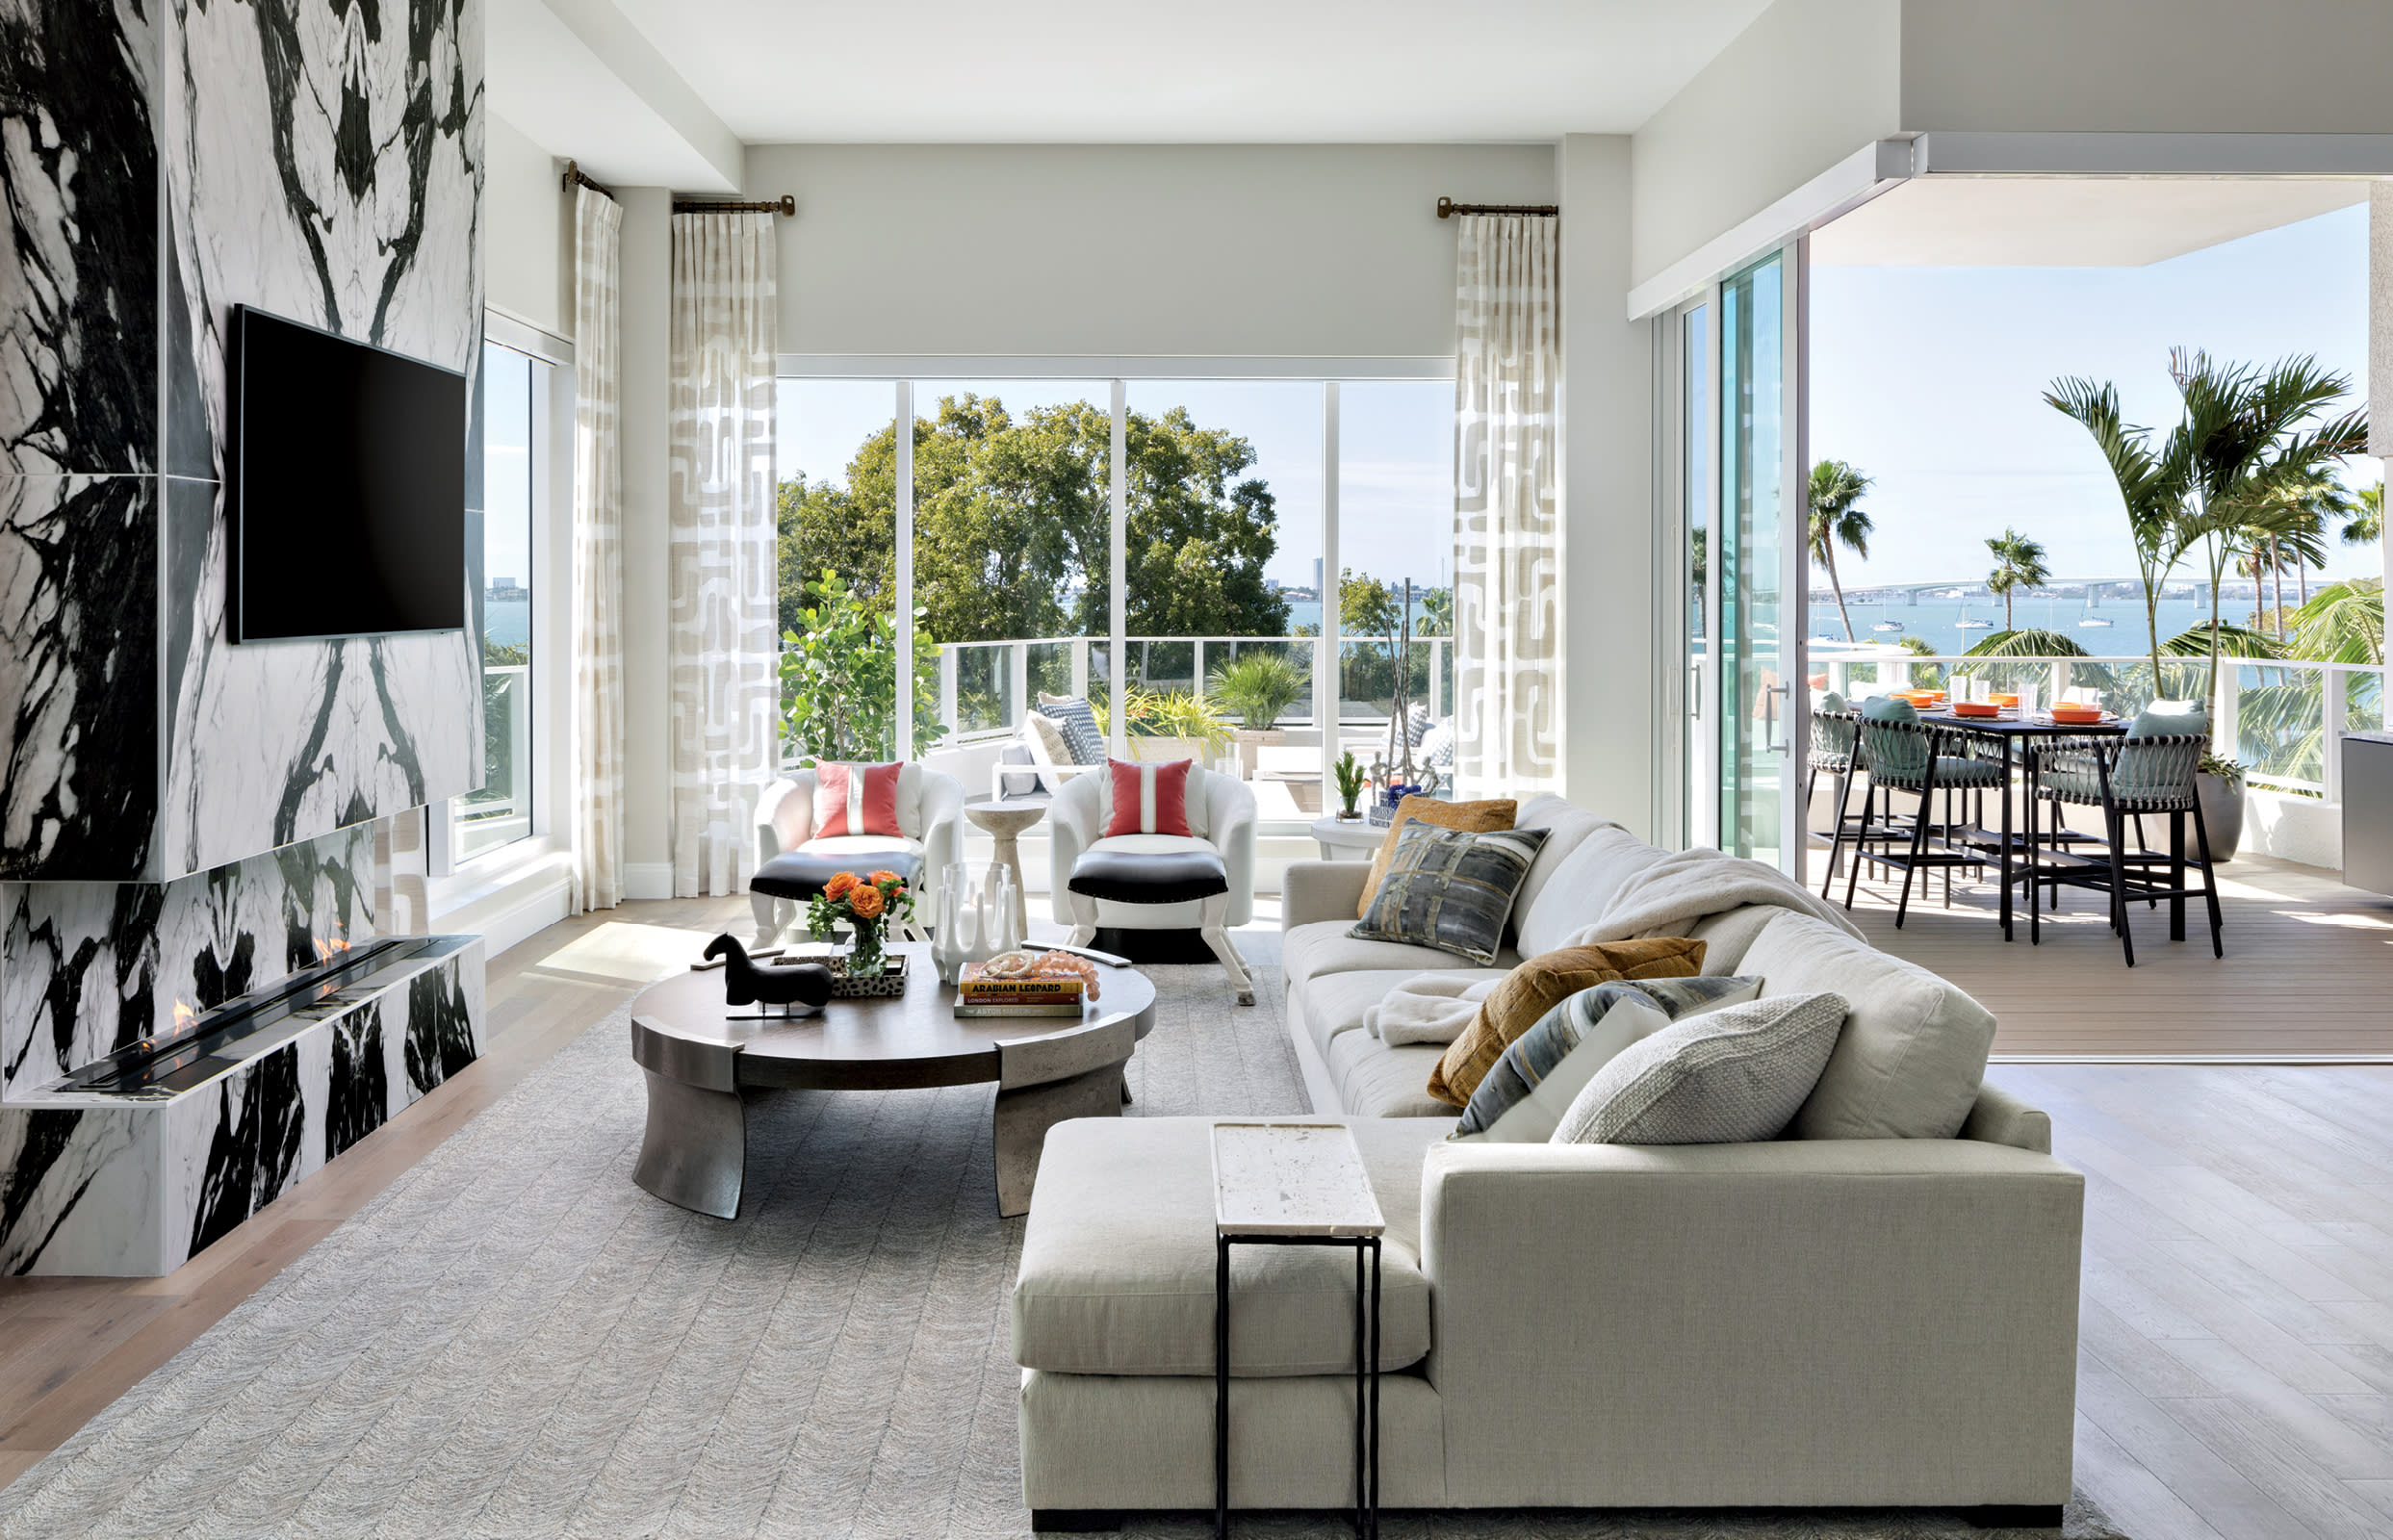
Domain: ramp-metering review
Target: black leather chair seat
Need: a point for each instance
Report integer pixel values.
(800, 875)
(1162, 877)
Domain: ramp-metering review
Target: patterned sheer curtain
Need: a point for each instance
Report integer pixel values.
(598, 554)
(1507, 524)
(723, 578)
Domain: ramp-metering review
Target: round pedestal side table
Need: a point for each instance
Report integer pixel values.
(1004, 822)
(1348, 838)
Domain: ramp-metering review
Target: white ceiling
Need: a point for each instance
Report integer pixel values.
(1253, 71)
(1970, 221)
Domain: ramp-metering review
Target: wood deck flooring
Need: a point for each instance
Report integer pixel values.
(2236, 1373)
(2309, 970)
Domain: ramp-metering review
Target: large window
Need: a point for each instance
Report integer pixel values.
(500, 812)
(1221, 542)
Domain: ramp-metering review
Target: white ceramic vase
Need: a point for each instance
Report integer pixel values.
(975, 918)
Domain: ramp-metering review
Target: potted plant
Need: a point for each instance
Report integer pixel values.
(1258, 687)
(1172, 725)
(2220, 784)
(866, 904)
(1351, 782)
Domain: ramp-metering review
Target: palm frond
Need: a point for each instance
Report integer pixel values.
(2234, 641)
(2026, 643)
(2343, 623)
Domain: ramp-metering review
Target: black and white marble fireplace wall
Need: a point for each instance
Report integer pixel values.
(168, 160)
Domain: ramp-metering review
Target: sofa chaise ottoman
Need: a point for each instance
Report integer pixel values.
(1878, 1309)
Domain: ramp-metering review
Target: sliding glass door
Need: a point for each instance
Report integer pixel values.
(1734, 399)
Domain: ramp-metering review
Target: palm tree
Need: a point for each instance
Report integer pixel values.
(2364, 525)
(2145, 487)
(1836, 521)
(2247, 436)
(2344, 623)
(2018, 563)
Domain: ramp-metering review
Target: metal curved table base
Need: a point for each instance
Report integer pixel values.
(695, 1151)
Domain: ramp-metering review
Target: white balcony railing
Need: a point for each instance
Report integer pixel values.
(501, 811)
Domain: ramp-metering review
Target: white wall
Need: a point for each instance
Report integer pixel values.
(1030, 250)
(529, 231)
(1807, 84)
(1608, 457)
(2219, 67)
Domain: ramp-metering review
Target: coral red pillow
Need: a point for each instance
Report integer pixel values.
(856, 799)
(1149, 799)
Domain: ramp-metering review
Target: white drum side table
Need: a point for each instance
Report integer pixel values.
(1348, 838)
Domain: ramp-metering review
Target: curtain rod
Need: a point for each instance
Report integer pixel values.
(574, 178)
(1446, 208)
(784, 205)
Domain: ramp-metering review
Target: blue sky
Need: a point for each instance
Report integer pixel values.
(1929, 379)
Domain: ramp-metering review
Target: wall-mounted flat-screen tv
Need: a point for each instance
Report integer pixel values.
(348, 486)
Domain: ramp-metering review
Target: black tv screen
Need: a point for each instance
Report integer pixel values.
(348, 486)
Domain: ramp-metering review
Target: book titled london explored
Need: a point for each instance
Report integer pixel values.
(1013, 984)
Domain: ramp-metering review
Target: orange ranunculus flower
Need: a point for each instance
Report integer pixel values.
(866, 901)
(838, 886)
(885, 878)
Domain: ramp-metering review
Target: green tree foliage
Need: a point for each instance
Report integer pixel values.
(2364, 524)
(838, 674)
(1012, 516)
(2018, 563)
(2343, 623)
(1836, 520)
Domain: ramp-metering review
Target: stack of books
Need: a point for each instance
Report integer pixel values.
(978, 995)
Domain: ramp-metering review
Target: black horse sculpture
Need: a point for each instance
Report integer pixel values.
(747, 982)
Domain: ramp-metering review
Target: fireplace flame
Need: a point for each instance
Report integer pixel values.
(183, 1014)
(329, 947)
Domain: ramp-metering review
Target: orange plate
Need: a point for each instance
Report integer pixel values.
(2076, 719)
(2006, 700)
(1975, 708)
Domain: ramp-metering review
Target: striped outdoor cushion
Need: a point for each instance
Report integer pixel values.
(1079, 721)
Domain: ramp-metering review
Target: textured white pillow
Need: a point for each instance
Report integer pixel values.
(1726, 1077)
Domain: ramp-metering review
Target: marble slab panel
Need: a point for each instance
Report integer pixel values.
(79, 272)
(78, 674)
(87, 967)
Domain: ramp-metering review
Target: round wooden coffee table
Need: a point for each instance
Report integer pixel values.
(700, 1061)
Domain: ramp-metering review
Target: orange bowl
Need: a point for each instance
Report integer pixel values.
(1976, 709)
(2006, 700)
(2076, 715)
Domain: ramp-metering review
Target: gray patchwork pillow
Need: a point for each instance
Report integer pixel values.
(1450, 888)
(1523, 1098)
(1731, 1076)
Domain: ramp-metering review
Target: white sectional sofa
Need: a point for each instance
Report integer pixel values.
(1877, 1309)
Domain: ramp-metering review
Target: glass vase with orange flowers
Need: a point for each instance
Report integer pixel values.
(866, 905)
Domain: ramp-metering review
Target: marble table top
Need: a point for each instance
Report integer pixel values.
(1291, 1179)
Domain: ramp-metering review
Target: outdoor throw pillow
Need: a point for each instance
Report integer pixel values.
(1727, 1077)
(1149, 799)
(1523, 1098)
(856, 799)
(1079, 721)
(1476, 816)
(1451, 890)
(1540, 984)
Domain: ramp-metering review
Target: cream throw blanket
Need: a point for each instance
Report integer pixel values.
(1668, 898)
(1686, 886)
(1427, 1008)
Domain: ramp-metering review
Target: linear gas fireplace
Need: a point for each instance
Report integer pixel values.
(212, 1042)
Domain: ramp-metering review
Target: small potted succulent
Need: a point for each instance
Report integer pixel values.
(1351, 783)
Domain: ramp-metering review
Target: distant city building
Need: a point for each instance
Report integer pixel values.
(503, 591)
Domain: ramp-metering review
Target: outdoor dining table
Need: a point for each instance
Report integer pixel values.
(2012, 732)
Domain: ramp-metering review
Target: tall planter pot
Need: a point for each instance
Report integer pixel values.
(2222, 814)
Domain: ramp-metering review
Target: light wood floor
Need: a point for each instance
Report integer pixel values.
(2236, 1371)
(2305, 973)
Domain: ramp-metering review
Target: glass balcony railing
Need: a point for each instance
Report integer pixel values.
(2275, 718)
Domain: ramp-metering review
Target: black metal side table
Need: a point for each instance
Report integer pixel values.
(1298, 1183)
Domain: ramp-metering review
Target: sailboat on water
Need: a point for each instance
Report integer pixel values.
(1966, 623)
(2091, 620)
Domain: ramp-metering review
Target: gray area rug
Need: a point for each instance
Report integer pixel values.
(515, 1340)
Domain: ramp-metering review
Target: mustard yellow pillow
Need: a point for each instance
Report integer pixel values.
(1540, 984)
(1471, 817)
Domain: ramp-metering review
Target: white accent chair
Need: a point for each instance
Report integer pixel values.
(929, 818)
(1220, 820)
